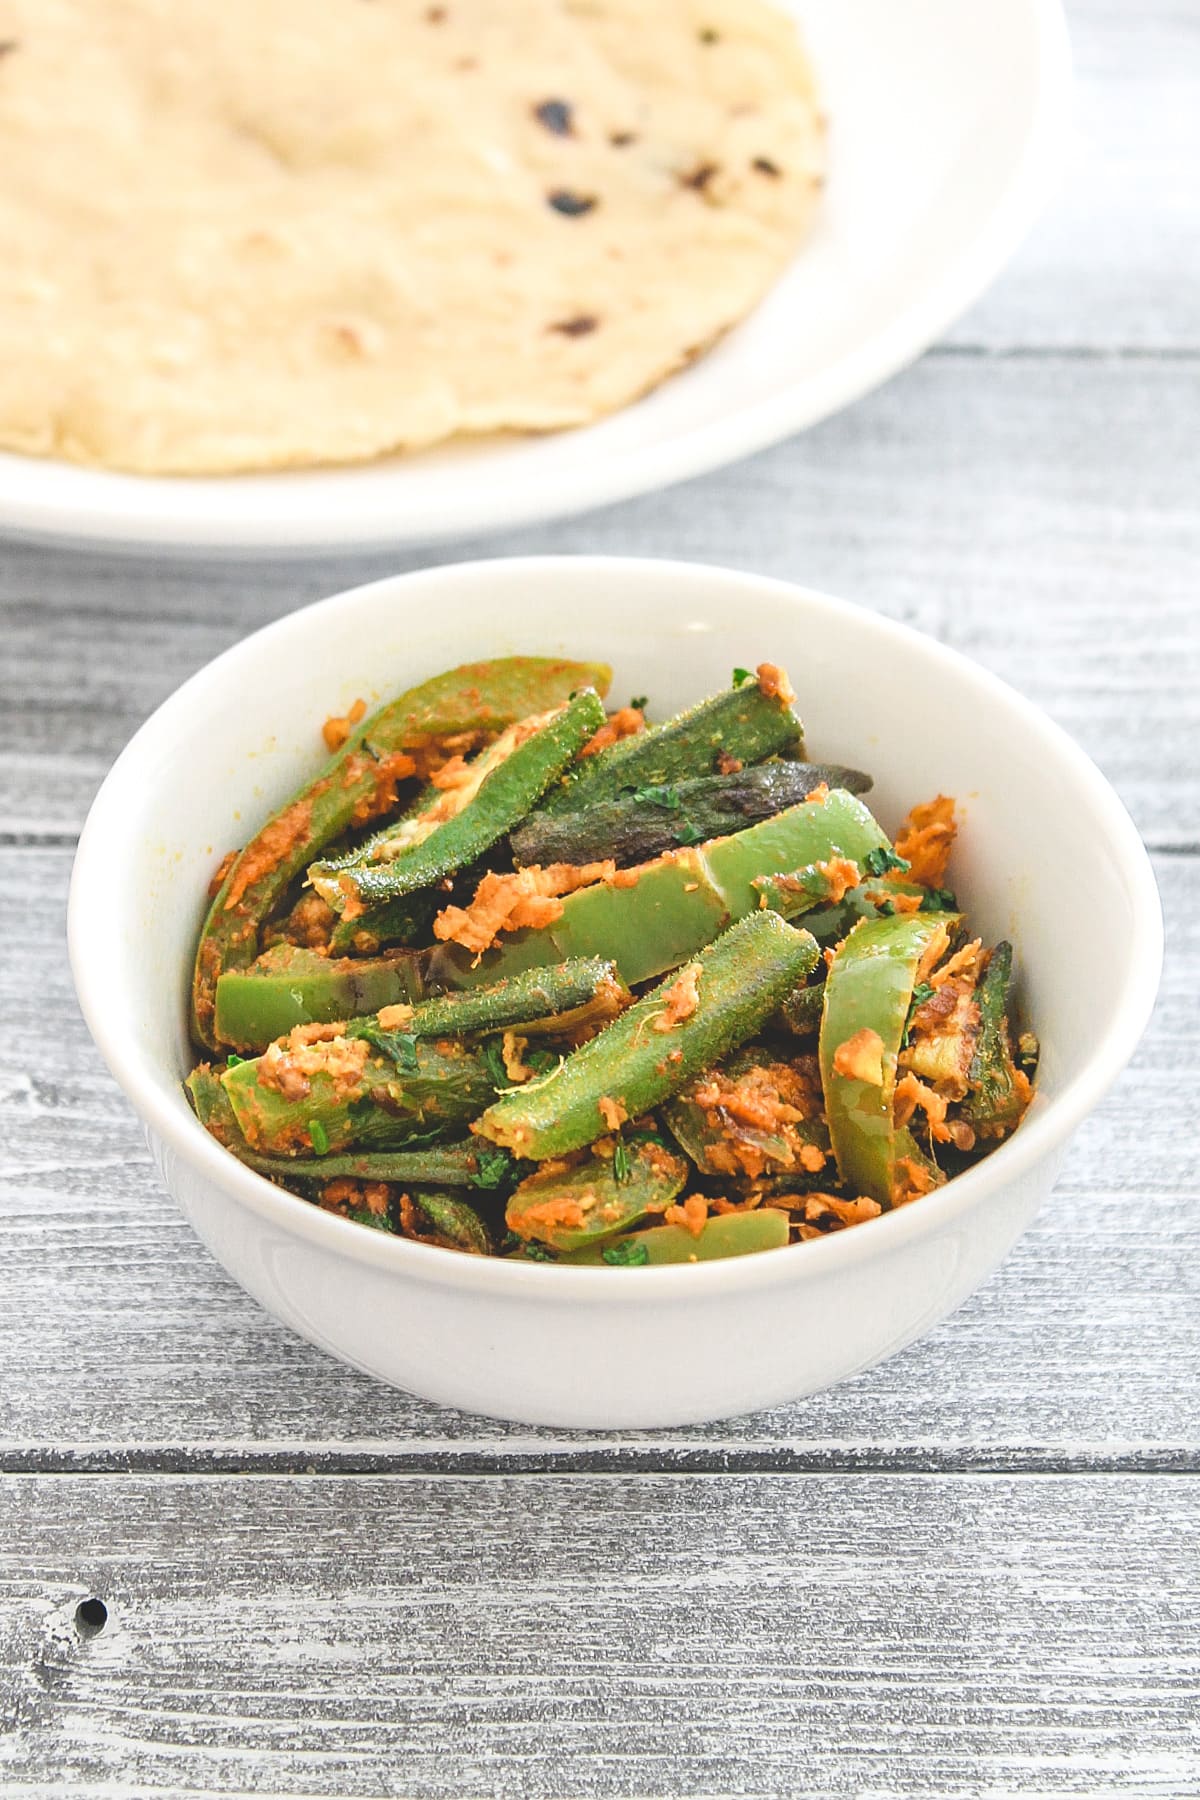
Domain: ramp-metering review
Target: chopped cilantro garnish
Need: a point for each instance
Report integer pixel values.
(878, 862)
(362, 1215)
(742, 676)
(318, 1137)
(640, 702)
(493, 1056)
(659, 796)
(621, 1166)
(626, 1253)
(689, 834)
(491, 1166)
(400, 1046)
(537, 1253)
(887, 910)
(234, 1062)
(939, 900)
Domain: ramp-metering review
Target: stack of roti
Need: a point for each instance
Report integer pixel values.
(251, 234)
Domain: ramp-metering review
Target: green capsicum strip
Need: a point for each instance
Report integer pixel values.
(381, 883)
(868, 992)
(485, 696)
(635, 827)
(734, 983)
(441, 1086)
(668, 910)
(730, 1234)
(741, 722)
(288, 986)
(568, 1209)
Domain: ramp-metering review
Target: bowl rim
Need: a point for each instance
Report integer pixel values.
(1045, 1129)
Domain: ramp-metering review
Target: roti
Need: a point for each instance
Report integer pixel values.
(256, 234)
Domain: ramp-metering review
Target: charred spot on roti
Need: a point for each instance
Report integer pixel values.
(556, 116)
(699, 177)
(580, 326)
(570, 205)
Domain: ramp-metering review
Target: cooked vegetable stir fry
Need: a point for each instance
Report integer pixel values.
(522, 978)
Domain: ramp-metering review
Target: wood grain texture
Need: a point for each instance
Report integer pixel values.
(1093, 274)
(655, 1636)
(1040, 517)
(122, 1343)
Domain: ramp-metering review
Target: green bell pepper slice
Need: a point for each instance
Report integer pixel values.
(728, 1234)
(868, 993)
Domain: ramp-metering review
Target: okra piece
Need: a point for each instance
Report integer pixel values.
(355, 786)
(742, 722)
(465, 1165)
(373, 893)
(868, 993)
(635, 827)
(342, 1094)
(288, 986)
(540, 1001)
(668, 910)
(569, 1208)
(728, 1234)
(456, 1223)
(994, 1102)
(688, 1022)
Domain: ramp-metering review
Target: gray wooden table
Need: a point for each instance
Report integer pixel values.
(974, 1571)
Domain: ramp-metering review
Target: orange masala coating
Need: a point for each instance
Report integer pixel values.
(627, 722)
(613, 1112)
(681, 999)
(345, 1195)
(926, 838)
(692, 1215)
(269, 848)
(841, 874)
(336, 730)
(773, 683)
(529, 898)
(288, 1066)
(819, 1214)
(861, 1057)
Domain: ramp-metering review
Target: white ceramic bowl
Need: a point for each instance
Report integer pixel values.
(1047, 856)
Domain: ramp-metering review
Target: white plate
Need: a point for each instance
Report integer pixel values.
(946, 118)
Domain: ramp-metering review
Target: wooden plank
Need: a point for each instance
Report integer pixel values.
(121, 1341)
(1115, 261)
(1039, 516)
(847, 1635)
